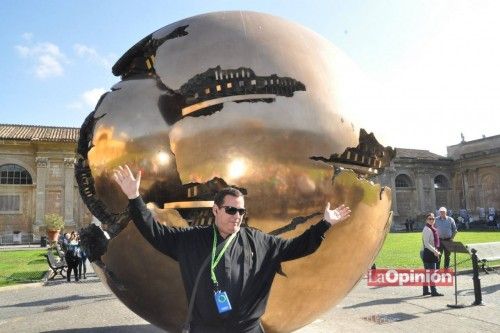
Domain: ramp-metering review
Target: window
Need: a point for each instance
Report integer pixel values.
(10, 203)
(440, 182)
(14, 174)
(403, 181)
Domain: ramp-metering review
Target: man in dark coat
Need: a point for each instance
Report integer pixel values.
(233, 290)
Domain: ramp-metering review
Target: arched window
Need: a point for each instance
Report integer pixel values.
(440, 182)
(14, 174)
(403, 181)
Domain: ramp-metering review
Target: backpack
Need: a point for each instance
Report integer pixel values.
(73, 253)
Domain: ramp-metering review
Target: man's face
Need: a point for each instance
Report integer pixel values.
(442, 214)
(227, 223)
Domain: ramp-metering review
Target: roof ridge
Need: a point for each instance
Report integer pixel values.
(39, 126)
(39, 133)
(413, 149)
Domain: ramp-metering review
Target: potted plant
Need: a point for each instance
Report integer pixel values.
(53, 224)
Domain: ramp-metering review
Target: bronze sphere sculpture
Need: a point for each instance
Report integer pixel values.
(242, 99)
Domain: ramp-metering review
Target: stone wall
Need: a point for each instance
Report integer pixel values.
(472, 179)
(54, 189)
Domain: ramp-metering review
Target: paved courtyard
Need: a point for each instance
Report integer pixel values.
(88, 306)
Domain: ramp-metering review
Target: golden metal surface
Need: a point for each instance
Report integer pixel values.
(348, 251)
(189, 204)
(249, 100)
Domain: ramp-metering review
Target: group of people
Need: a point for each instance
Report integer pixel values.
(74, 255)
(409, 224)
(436, 230)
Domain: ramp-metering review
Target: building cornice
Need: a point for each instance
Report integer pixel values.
(35, 133)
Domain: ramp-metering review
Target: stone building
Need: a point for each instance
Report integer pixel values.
(37, 178)
(467, 178)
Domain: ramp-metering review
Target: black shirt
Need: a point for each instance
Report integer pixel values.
(246, 272)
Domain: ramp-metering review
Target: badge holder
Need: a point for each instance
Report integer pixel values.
(222, 301)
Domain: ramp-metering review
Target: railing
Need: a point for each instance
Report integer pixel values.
(17, 239)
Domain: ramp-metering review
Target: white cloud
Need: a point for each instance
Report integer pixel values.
(48, 66)
(75, 105)
(91, 97)
(27, 36)
(23, 51)
(48, 59)
(87, 100)
(84, 51)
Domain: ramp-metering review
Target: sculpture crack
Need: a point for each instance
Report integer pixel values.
(369, 158)
(206, 93)
(140, 59)
(298, 220)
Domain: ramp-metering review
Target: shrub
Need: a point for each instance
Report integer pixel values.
(54, 222)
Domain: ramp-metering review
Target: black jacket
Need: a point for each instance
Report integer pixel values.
(245, 272)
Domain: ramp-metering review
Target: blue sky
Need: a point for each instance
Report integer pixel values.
(432, 67)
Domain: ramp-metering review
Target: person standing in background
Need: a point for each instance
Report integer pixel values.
(447, 230)
(82, 265)
(429, 252)
(72, 256)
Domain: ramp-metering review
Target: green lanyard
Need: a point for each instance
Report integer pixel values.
(215, 261)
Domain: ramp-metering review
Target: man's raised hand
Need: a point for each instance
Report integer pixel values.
(127, 182)
(336, 215)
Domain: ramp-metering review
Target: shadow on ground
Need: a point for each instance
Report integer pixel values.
(397, 300)
(57, 300)
(484, 290)
(55, 282)
(113, 329)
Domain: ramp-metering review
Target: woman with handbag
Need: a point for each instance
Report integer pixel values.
(429, 253)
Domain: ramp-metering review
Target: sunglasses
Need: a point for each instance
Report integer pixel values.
(232, 210)
(431, 218)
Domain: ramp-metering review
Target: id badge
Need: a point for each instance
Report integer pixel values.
(222, 301)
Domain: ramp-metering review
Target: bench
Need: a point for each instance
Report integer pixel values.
(60, 252)
(58, 267)
(485, 252)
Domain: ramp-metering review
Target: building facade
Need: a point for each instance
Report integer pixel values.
(467, 179)
(37, 178)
